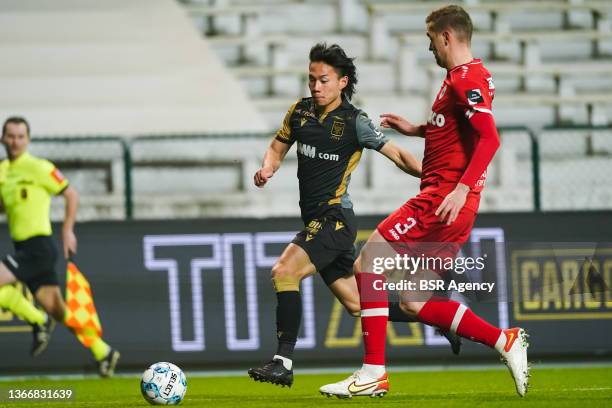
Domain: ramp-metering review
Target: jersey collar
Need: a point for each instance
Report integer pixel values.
(24, 157)
(474, 61)
(345, 104)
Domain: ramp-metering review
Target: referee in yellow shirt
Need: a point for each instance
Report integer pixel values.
(26, 186)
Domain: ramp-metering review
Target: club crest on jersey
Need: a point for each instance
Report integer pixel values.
(302, 121)
(474, 96)
(337, 130)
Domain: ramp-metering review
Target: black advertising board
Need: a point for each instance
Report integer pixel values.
(198, 293)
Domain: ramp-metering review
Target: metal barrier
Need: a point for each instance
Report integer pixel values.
(194, 176)
(97, 166)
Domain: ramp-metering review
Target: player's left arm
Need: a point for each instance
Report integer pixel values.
(2, 180)
(71, 203)
(52, 179)
(402, 158)
(476, 102)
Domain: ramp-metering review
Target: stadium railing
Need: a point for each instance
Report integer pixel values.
(575, 167)
(549, 169)
(98, 167)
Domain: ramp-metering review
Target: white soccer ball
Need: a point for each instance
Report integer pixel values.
(163, 384)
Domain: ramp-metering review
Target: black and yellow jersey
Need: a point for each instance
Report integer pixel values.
(328, 150)
(26, 186)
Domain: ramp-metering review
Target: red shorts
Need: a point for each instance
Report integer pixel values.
(416, 230)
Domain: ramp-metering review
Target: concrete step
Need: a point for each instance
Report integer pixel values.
(67, 60)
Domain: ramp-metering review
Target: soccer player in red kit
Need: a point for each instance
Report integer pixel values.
(460, 141)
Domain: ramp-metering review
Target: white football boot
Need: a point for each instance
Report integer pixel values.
(514, 355)
(358, 384)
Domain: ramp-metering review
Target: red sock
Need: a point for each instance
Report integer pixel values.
(374, 315)
(450, 315)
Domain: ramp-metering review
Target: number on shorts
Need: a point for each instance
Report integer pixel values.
(404, 228)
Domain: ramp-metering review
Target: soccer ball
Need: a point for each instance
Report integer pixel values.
(163, 384)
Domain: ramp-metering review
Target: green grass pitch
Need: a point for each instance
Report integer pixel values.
(550, 387)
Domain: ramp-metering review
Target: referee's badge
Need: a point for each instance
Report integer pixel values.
(337, 130)
(57, 176)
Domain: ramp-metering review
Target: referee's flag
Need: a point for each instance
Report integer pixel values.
(81, 315)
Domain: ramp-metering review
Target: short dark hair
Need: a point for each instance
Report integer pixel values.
(16, 120)
(454, 17)
(335, 56)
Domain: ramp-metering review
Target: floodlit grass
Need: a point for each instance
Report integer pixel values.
(562, 387)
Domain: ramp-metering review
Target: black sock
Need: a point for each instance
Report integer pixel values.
(397, 315)
(288, 319)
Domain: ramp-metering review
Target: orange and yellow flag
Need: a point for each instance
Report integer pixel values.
(81, 315)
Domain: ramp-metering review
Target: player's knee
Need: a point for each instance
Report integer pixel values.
(357, 266)
(57, 312)
(284, 279)
(353, 309)
(52, 302)
(409, 308)
(280, 270)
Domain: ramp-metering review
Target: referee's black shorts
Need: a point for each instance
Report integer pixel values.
(329, 240)
(34, 262)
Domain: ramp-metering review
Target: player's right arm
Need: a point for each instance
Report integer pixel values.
(276, 151)
(271, 162)
(393, 121)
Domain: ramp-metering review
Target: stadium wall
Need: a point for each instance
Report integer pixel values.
(198, 293)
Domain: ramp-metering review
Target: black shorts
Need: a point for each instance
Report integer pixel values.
(34, 262)
(329, 241)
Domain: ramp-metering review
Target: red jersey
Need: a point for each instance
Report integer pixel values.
(450, 140)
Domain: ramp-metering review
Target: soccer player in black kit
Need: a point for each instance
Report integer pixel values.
(330, 133)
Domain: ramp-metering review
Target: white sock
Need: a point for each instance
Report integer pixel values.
(374, 371)
(287, 362)
(501, 342)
